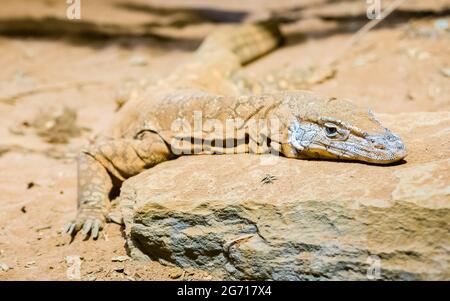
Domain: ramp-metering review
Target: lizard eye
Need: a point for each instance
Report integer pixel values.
(330, 130)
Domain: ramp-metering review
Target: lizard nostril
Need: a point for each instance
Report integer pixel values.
(376, 144)
(400, 145)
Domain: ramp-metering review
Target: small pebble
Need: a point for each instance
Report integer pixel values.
(165, 262)
(445, 72)
(418, 54)
(30, 185)
(441, 24)
(120, 258)
(176, 273)
(138, 61)
(4, 267)
(30, 264)
(42, 228)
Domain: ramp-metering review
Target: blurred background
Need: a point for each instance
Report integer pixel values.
(62, 79)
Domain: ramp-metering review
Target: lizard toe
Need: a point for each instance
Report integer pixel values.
(96, 227)
(65, 228)
(72, 229)
(87, 227)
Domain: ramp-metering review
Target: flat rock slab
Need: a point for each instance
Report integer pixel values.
(315, 220)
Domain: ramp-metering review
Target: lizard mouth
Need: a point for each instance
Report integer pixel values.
(311, 141)
(378, 149)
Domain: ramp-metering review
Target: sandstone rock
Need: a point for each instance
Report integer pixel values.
(176, 273)
(315, 220)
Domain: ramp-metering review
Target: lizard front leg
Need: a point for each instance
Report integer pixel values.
(98, 165)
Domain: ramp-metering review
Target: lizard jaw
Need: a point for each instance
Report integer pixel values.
(309, 142)
(391, 148)
(378, 149)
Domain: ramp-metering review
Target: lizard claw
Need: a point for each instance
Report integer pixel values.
(72, 229)
(69, 228)
(87, 227)
(96, 228)
(66, 227)
(87, 223)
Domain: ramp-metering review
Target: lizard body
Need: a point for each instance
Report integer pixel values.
(198, 110)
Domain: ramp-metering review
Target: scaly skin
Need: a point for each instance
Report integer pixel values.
(198, 110)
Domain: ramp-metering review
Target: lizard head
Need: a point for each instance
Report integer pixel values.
(338, 129)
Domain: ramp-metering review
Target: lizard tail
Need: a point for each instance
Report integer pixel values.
(247, 41)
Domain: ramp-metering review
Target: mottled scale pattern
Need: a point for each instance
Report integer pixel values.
(199, 109)
(131, 144)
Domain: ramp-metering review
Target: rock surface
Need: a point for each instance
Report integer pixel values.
(317, 220)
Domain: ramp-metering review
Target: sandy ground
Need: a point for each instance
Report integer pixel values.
(49, 62)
